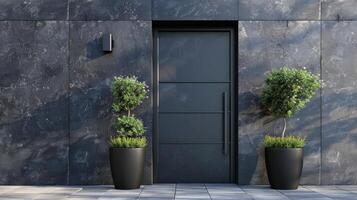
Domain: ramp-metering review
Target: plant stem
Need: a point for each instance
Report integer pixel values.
(283, 133)
(128, 113)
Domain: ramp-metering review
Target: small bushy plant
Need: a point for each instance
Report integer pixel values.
(283, 142)
(130, 126)
(128, 93)
(287, 91)
(128, 142)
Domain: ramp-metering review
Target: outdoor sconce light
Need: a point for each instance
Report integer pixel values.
(108, 42)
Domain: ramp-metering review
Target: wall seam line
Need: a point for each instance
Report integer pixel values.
(237, 109)
(321, 138)
(68, 95)
(200, 20)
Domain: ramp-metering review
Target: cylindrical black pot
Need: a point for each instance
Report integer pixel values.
(284, 166)
(127, 165)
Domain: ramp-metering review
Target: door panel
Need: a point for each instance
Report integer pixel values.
(193, 106)
(198, 56)
(193, 163)
(183, 128)
(192, 97)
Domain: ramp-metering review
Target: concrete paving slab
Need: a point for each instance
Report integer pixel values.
(178, 191)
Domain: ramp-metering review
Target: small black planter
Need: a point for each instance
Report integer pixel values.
(284, 166)
(127, 166)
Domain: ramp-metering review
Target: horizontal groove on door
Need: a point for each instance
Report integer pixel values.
(191, 128)
(194, 82)
(192, 112)
(198, 97)
(179, 143)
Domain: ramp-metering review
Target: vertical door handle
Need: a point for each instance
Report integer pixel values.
(225, 124)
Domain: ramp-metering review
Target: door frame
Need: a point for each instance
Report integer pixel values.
(195, 26)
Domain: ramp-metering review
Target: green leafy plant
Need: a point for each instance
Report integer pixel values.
(128, 93)
(130, 126)
(128, 142)
(283, 142)
(287, 91)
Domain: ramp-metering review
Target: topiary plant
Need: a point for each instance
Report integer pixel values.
(130, 126)
(128, 93)
(287, 91)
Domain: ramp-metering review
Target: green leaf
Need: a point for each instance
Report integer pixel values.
(130, 126)
(127, 142)
(128, 93)
(283, 142)
(287, 91)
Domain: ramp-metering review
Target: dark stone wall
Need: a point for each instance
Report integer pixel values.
(91, 72)
(264, 46)
(33, 102)
(55, 102)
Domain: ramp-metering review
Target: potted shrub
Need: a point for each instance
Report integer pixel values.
(285, 93)
(127, 146)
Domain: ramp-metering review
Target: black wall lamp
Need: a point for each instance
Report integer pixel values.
(108, 42)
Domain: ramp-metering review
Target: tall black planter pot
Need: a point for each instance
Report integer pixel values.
(284, 166)
(127, 165)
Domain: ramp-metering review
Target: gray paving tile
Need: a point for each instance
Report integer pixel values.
(117, 198)
(17, 196)
(179, 192)
(333, 192)
(226, 192)
(351, 188)
(263, 193)
(242, 196)
(33, 189)
(155, 198)
(7, 189)
(196, 192)
(159, 186)
(158, 194)
(14, 198)
(57, 196)
(80, 198)
(303, 193)
(190, 186)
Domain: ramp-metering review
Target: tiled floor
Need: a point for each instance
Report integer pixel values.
(177, 191)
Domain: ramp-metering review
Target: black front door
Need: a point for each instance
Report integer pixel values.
(194, 76)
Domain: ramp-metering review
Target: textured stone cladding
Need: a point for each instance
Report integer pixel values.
(55, 101)
(33, 102)
(264, 46)
(91, 72)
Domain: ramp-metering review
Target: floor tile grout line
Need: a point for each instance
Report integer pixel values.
(175, 191)
(251, 197)
(313, 192)
(282, 194)
(318, 193)
(343, 189)
(339, 187)
(141, 191)
(208, 192)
